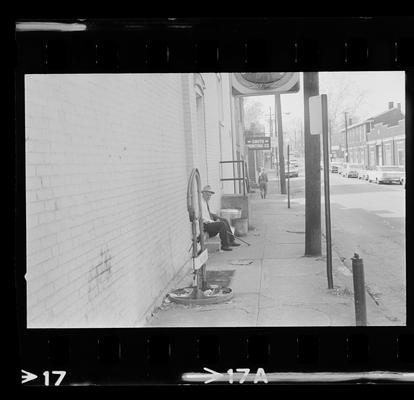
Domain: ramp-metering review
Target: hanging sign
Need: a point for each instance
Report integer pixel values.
(258, 142)
(264, 83)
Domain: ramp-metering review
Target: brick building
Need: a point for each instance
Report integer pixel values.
(379, 140)
(107, 163)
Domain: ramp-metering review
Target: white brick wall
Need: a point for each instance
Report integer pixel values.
(107, 163)
(106, 178)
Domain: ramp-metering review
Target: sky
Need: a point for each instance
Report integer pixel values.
(375, 88)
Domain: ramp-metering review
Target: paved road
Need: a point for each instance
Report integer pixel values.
(369, 219)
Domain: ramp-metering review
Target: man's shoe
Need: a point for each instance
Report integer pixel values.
(226, 248)
(234, 244)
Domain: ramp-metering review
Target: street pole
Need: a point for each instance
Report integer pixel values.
(255, 166)
(313, 244)
(288, 176)
(330, 138)
(326, 190)
(270, 122)
(276, 161)
(278, 111)
(301, 142)
(271, 136)
(296, 149)
(346, 138)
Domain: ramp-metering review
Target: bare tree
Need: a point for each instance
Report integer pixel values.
(343, 96)
(253, 112)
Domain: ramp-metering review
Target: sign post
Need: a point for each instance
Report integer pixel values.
(282, 176)
(318, 113)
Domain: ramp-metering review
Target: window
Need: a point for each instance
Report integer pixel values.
(400, 153)
(199, 87)
(387, 154)
(372, 157)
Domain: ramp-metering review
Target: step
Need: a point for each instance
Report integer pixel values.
(213, 244)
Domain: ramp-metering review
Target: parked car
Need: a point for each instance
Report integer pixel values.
(293, 171)
(350, 171)
(363, 174)
(361, 171)
(402, 179)
(335, 167)
(386, 174)
(294, 162)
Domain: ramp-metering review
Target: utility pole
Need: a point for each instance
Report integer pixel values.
(302, 153)
(270, 122)
(346, 137)
(288, 177)
(313, 242)
(278, 112)
(330, 139)
(273, 137)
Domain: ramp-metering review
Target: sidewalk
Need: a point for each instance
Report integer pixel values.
(274, 284)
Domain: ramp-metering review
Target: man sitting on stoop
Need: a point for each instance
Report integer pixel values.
(213, 224)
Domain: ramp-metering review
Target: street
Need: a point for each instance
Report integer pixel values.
(368, 219)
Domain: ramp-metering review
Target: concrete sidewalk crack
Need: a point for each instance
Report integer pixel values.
(342, 260)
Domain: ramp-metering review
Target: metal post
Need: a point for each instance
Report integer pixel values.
(288, 176)
(330, 139)
(359, 290)
(346, 138)
(244, 179)
(313, 243)
(270, 122)
(277, 161)
(326, 190)
(255, 166)
(278, 111)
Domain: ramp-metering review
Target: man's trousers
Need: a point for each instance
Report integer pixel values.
(221, 227)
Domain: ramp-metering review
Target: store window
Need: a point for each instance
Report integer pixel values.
(388, 154)
(401, 153)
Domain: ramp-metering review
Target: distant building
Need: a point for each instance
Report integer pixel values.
(386, 139)
(379, 140)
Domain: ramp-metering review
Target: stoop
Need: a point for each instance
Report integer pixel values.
(212, 244)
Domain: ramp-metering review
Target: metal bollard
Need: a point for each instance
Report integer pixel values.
(359, 290)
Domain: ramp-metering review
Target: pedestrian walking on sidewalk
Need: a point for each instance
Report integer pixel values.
(263, 180)
(213, 224)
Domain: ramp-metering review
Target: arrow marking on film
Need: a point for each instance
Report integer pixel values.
(27, 376)
(216, 375)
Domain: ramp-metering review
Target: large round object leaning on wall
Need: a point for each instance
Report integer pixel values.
(264, 83)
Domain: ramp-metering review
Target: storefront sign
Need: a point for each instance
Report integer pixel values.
(258, 142)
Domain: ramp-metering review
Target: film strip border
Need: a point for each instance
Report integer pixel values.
(142, 356)
(109, 357)
(226, 45)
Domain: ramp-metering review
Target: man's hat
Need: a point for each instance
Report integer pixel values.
(207, 189)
